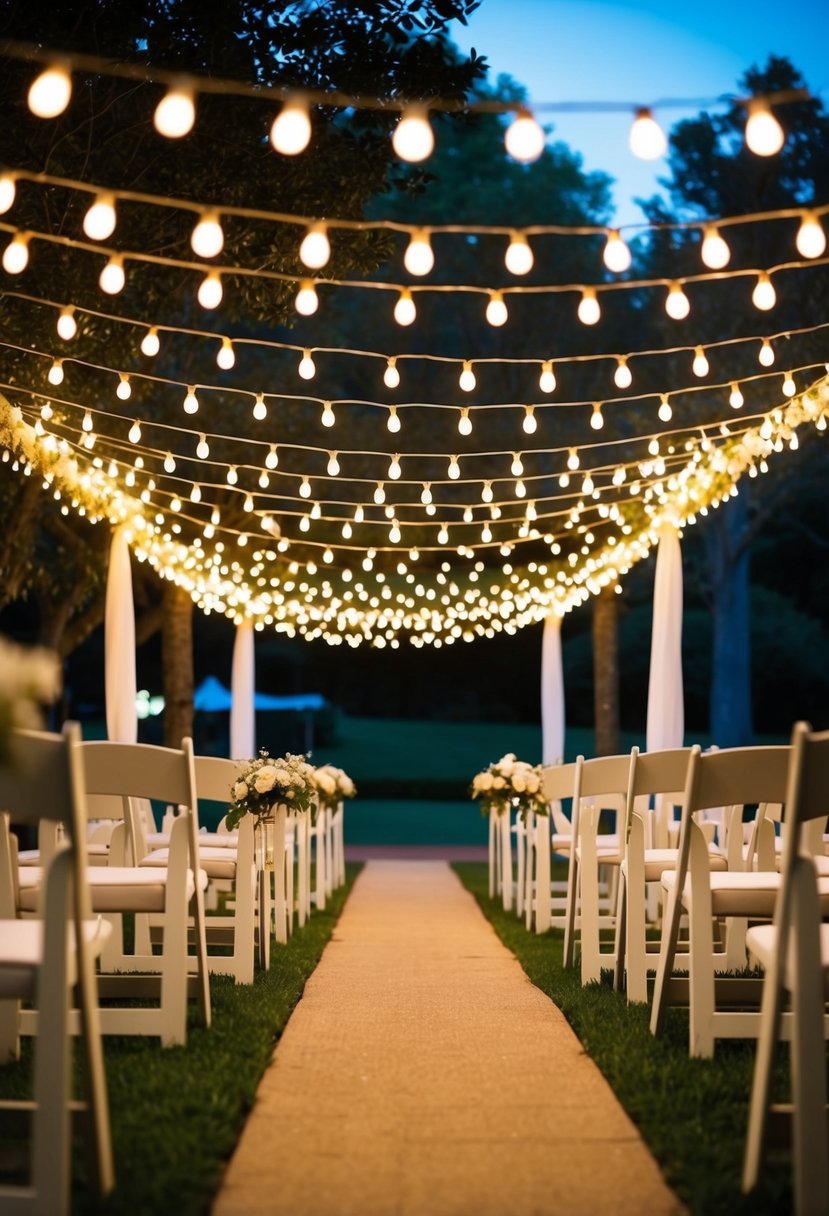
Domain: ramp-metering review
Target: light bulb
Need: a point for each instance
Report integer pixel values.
(622, 377)
(524, 138)
(700, 365)
(379, 494)
(596, 419)
(315, 249)
(664, 413)
(520, 490)
(443, 535)
(517, 466)
(529, 424)
(547, 379)
(210, 290)
(190, 404)
(404, 310)
(789, 386)
(391, 376)
(46, 413)
(764, 296)
(169, 463)
(764, 135)
(647, 139)
(519, 257)
(589, 311)
(232, 476)
(307, 367)
(572, 459)
(466, 380)
(150, 343)
(413, 139)
(67, 325)
(207, 238)
(202, 448)
(8, 190)
(112, 277)
(176, 112)
(616, 254)
(305, 488)
(134, 433)
(766, 355)
(714, 250)
(272, 458)
(307, 301)
(735, 398)
(393, 421)
(226, 356)
(333, 464)
(291, 129)
(496, 309)
(260, 410)
(426, 493)
(454, 468)
(811, 239)
(486, 493)
(394, 468)
(55, 374)
(124, 389)
(99, 221)
(394, 533)
(50, 92)
(16, 254)
(677, 304)
(327, 418)
(419, 257)
(87, 421)
(195, 493)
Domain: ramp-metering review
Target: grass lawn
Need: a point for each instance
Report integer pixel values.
(178, 1112)
(692, 1113)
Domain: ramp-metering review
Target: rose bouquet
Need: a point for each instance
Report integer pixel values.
(333, 785)
(29, 679)
(264, 783)
(509, 782)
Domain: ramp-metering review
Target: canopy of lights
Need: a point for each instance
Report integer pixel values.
(532, 478)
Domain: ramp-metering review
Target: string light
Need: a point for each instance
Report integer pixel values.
(290, 131)
(272, 458)
(393, 420)
(596, 419)
(529, 424)
(517, 466)
(379, 494)
(572, 460)
(210, 290)
(169, 463)
(123, 390)
(764, 135)
(426, 494)
(404, 309)
(327, 419)
(664, 413)
(112, 278)
(677, 304)
(134, 433)
(419, 257)
(547, 379)
(764, 296)
(789, 386)
(190, 405)
(413, 139)
(589, 312)
(454, 469)
(307, 301)
(225, 355)
(99, 221)
(55, 373)
(394, 468)
(150, 343)
(176, 112)
(700, 366)
(86, 424)
(333, 466)
(207, 238)
(647, 139)
(49, 94)
(811, 239)
(305, 488)
(315, 249)
(67, 326)
(8, 191)
(616, 255)
(524, 138)
(496, 309)
(622, 377)
(714, 251)
(735, 399)
(391, 376)
(307, 367)
(465, 423)
(260, 410)
(202, 448)
(16, 254)
(766, 355)
(487, 494)
(232, 475)
(519, 257)
(467, 380)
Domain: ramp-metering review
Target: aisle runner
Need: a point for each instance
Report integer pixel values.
(422, 1074)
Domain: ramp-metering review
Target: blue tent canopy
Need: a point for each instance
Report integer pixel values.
(212, 696)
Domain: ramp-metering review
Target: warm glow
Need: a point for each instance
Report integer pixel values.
(404, 310)
(530, 424)
(715, 251)
(260, 410)
(124, 389)
(496, 310)
(622, 377)
(589, 312)
(226, 356)
(55, 375)
(49, 94)
(764, 135)
(150, 343)
(112, 277)
(665, 413)
(465, 423)
(547, 379)
(677, 304)
(307, 301)
(735, 398)
(307, 367)
(207, 238)
(190, 404)
(811, 239)
(8, 190)
(99, 221)
(391, 376)
(291, 129)
(466, 380)
(596, 419)
(519, 257)
(766, 355)
(210, 290)
(647, 139)
(524, 139)
(419, 258)
(315, 249)
(616, 254)
(393, 420)
(413, 139)
(175, 113)
(67, 325)
(700, 365)
(16, 254)
(764, 296)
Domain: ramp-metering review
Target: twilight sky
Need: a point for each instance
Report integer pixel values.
(642, 51)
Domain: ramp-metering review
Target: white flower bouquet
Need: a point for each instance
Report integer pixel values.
(265, 783)
(29, 679)
(333, 784)
(509, 782)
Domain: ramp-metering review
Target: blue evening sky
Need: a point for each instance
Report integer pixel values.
(563, 50)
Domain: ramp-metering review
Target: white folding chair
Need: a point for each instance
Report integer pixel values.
(542, 898)
(43, 959)
(795, 953)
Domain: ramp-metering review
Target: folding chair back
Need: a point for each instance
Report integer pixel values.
(215, 776)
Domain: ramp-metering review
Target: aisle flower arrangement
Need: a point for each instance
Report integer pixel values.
(29, 679)
(509, 782)
(333, 785)
(265, 783)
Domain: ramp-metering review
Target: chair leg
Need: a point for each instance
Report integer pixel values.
(506, 861)
(588, 897)
(701, 950)
(768, 1036)
(570, 906)
(280, 920)
(521, 851)
(96, 1091)
(543, 889)
(811, 1161)
(9, 1031)
(667, 953)
(302, 866)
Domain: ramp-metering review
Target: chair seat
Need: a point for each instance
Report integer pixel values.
(657, 861)
(113, 888)
(210, 840)
(761, 941)
(216, 863)
(21, 953)
(743, 894)
(31, 857)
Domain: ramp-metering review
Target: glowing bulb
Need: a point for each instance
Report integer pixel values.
(391, 376)
(404, 310)
(191, 401)
(443, 535)
(547, 379)
(207, 238)
(327, 418)
(99, 221)
(735, 398)
(589, 311)
(16, 254)
(519, 257)
(112, 277)
(8, 190)
(419, 258)
(496, 309)
(55, 374)
(305, 488)
(714, 251)
(134, 433)
(766, 355)
(664, 413)
(524, 138)
(272, 458)
(307, 301)
(622, 377)
(124, 390)
(232, 476)
(307, 367)
(202, 448)
(46, 413)
(764, 296)
(789, 386)
(647, 139)
(764, 135)
(454, 468)
(67, 325)
(195, 493)
(175, 113)
(486, 493)
(260, 410)
(616, 254)
(466, 380)
(87, 421)
(517, 467)
(677, 304)
(393, 421)
(150, 343)
(572, 459)
(395, 534)
(169, 463)
(811, 239)
(596, 419)
(530, 424)
(426, 493)
(210, 290)
(394, 468)
(315, 249)
(413, 139)
(700, 365)
(520, 489)
(226, 356)
(465, 423)
(333, 464)
(49, 94)
(379, 494)
(291, 129)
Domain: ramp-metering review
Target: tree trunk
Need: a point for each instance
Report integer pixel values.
(177, 663)
(730, 706)
(606, 671)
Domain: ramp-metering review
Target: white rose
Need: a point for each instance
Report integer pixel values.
(281, 777)
(533, 784)
(265, 779)
(498, 783)
(326, 783)
(485, 781)
(519, 784)
(507, 765)
(240, 791)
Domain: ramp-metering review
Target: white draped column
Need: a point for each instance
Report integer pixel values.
(119, 644)
(552, 692)
(666, 711)
(242, 692)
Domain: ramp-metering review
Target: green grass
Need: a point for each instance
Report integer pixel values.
(178, 1112)
(692, 1113)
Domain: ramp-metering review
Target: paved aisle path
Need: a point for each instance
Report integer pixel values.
(422, 1074)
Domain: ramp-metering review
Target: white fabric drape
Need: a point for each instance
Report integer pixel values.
(552, 692)
(242, 692)
(666, 713)
(119, 644)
